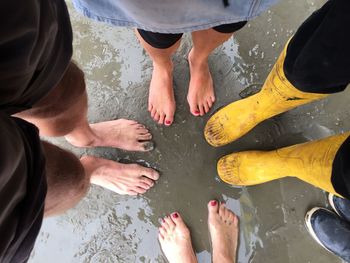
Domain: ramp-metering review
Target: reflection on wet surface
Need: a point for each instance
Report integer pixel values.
(106, 227)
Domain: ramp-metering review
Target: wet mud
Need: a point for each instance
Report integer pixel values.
(106, 227)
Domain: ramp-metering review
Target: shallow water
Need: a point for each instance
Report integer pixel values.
(106, 227)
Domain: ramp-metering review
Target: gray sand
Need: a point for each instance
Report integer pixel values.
(106, 227)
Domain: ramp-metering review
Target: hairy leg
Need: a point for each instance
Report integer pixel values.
(63, 112)
(223, 228)
(175, 240)
(161, 101)
(201, 94)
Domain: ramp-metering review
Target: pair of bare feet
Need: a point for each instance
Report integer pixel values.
(131, 179)
(175, 239)
(200, 97)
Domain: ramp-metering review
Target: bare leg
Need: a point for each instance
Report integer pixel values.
(68, 179)
(161, 101)
(175, 240)
(201, 94)
(63, 113)
(223, 228)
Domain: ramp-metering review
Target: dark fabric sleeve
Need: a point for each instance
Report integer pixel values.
(22, 188)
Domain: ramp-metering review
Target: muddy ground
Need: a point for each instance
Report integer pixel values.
(106, 227)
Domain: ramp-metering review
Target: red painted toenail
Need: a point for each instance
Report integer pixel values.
(196, 112)
(167, 122)
(213, 203)
(175, 215)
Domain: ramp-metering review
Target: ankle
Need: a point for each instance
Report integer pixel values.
(164, 65)
(83, 137)
(90, 164)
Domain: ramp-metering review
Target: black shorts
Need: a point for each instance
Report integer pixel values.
(162, 41)
(22, 188)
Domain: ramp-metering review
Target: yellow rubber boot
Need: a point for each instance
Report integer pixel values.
(276, 96)
(310, 162)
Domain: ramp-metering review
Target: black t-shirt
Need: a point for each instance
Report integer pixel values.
(35, 50)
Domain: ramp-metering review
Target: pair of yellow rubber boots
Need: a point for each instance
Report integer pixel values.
(310, 162)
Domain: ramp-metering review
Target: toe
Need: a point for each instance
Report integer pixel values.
(169, 221)
(222, 209)
(161, 118)
(162, 231)
(160, 237)
(167, 122)
(131, 122)
(144, 186)
(150, 173)
(153, 113)
(213, 206)
(147, 181)
(176, 218)
(165, 223)
(201, 109)
(210, 103)
(156, 116)
(169, 118)
(141, 129)
(212, 98)
(139, 190)
(144, 137)
(146, 146)
(194, 109)
(235, 220)
(206, 107)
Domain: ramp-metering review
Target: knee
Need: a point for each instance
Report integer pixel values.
(58, 113)
(67, 182)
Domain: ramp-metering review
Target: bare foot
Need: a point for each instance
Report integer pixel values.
(130, 179)
(201, 89)
(223, 228)
(175, 240)
(161, 101)
(124, 134)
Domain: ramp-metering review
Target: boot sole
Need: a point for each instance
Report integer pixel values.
(310, 229)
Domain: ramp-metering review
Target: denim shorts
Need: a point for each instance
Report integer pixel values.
(169, 16)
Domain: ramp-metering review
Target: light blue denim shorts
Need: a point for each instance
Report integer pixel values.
(172, 16)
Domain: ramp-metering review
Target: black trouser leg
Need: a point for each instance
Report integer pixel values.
(318, 56)
(341, 170)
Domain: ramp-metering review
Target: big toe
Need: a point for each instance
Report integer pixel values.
(213, 207)
(146, 146)
(150, 173)
(194, 109)
(177, 219)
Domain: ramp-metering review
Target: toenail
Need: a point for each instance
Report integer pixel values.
(196, 112)
(213, 203)
(167, 122)
(175, 215)
(148, 146)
